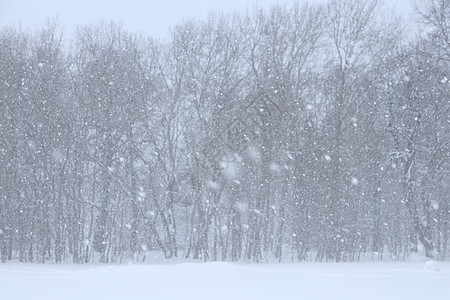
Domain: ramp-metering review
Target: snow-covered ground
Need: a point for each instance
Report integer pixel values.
(362, 281)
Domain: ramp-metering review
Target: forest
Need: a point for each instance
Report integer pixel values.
(305, 132)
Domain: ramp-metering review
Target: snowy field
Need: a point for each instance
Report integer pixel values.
(362, 281)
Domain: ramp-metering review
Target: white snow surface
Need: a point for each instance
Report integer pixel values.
(432, 266)
(225, 281)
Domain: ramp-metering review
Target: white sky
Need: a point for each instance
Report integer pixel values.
(153, 17)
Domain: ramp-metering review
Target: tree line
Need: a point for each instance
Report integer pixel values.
(304, 132)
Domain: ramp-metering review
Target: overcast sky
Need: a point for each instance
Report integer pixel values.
(154, 17)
